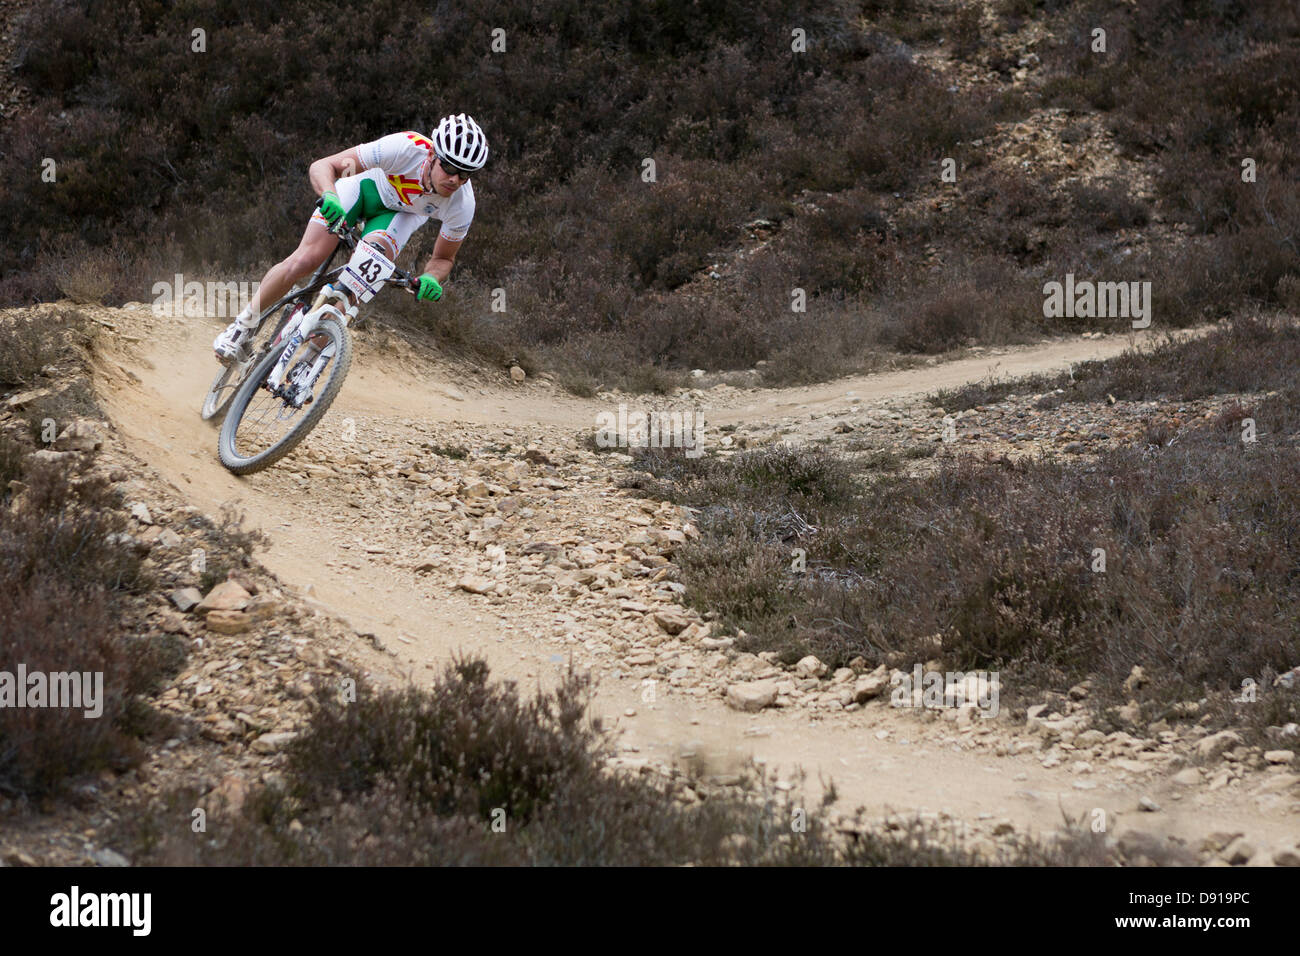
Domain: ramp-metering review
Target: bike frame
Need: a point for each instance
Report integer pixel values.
(322, 308)
(323, 274)
(318, 279)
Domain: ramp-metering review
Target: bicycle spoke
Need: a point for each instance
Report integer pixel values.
(270, 417)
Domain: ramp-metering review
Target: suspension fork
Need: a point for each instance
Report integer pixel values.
(304, 325)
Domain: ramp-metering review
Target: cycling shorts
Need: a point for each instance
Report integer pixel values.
(359, 196)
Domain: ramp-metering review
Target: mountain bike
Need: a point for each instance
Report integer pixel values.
(273, 399)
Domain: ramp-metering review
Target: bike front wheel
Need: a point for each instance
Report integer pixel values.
(264, 425)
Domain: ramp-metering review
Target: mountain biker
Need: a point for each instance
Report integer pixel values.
(393, 185)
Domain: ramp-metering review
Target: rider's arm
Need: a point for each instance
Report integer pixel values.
(324, 172)
(444, 254)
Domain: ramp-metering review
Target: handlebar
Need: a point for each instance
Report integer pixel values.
(350, 237)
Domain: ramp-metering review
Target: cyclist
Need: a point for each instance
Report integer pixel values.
(393, 185)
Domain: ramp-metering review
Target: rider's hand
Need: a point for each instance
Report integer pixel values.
(430, 288)
(330, 207)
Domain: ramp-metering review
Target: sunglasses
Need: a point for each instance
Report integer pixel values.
(452, 170)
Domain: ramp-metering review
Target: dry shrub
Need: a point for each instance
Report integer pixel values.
(52, 627)
(1250, 354)
(1107, 205)
(29, 343)
(60, 564)
(977, 304)
(468, 773)
(1199, 589)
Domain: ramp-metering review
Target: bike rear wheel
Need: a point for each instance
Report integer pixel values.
(229, 377)
(251, 437)
(223, 388)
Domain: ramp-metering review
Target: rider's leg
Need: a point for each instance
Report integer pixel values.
(385, 228)
(314, 248)
(360, 197)
(234, 344)
(390, 231)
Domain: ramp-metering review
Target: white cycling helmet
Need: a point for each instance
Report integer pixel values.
(460, 142)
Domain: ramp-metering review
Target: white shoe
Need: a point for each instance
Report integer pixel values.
(234, 345)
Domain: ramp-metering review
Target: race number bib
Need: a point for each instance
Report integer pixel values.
(366, 271)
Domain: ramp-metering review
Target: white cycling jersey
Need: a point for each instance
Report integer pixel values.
(402, 159)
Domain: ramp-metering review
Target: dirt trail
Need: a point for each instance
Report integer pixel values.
(345, 549)
(1010, 362)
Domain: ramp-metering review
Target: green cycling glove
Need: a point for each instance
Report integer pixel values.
(330, 207)
(430, 288)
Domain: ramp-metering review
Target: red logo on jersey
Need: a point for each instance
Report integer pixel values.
(420, 141)
(407, 188)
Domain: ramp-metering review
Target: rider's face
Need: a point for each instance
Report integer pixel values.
(444, 184)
